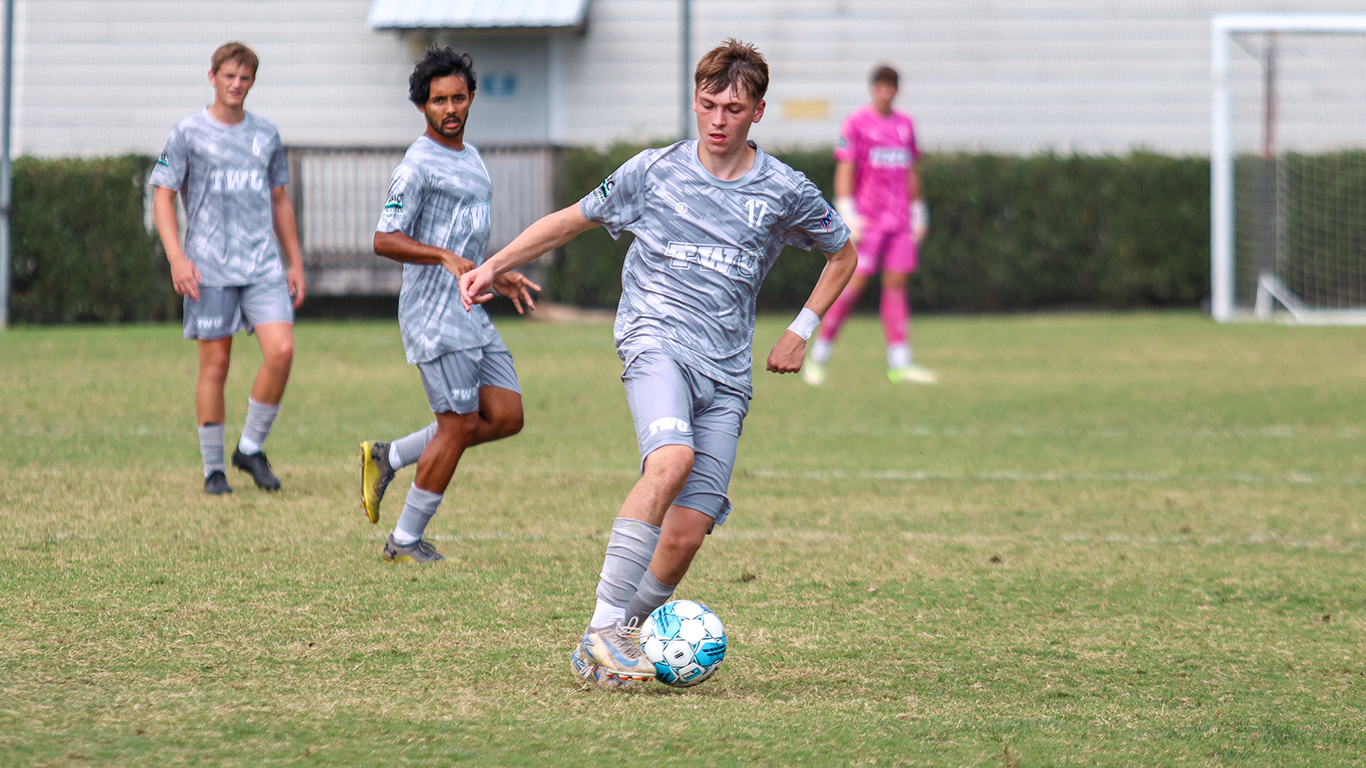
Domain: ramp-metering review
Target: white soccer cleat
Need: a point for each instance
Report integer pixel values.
(586, 669)
(616, 651)
(813, 373)
(913, 374)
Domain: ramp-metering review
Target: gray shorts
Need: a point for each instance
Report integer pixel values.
(454, 379)
(672, 404)
(224, 310)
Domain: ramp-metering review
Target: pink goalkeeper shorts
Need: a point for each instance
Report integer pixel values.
(891, 250)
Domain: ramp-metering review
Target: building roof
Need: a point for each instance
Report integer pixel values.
(476, 14)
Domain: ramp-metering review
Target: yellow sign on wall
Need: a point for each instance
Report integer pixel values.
(810, 110)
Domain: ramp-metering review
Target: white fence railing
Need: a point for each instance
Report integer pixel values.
(338, 194)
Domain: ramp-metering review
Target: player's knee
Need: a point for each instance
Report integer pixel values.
(510, 423)
(894, 281)
(280, 354)
(457, 427)
(669, 465)
(680, 546)
(214, 369)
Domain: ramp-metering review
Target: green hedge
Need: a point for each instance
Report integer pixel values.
(1007, 233)
(81, 253)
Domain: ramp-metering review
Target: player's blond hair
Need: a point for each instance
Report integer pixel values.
(736, 63)
(234, 51)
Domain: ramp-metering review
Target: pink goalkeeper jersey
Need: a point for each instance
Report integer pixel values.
(882, 150)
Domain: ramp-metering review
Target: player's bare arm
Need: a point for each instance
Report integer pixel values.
(400, 247)
(287, 232)
(787, 354)
(545, 235)
(184, 276)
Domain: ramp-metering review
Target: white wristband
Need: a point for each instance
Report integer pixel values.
(805, 324)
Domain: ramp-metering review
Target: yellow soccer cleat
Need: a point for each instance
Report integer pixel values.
(375, 476)
(417, 552)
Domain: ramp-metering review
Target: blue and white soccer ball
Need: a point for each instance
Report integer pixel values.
(685, 641)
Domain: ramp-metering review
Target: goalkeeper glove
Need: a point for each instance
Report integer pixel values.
(845, 207)
(920, 219)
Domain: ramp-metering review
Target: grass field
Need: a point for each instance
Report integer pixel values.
(1109, 540)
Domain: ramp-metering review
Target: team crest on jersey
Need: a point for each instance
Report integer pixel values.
(604, 189)
(165, 159)
(394, 203)
(842, 143)
(828, 218)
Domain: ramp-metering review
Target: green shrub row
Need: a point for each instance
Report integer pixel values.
(1007, 233)
(80, 250)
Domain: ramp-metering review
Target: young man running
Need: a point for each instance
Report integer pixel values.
(230, 168)
(436, 221)
(710, 217)
(877, 191)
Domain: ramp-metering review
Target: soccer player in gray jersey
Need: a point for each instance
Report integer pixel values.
(229, 167)
(710, 218)
(436, 221)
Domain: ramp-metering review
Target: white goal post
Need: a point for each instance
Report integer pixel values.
(1288, 168)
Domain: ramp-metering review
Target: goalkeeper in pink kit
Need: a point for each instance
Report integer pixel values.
(877, 194)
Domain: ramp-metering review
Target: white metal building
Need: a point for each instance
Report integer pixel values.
(98, 78)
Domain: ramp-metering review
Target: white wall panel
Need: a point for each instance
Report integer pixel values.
(1007, 75)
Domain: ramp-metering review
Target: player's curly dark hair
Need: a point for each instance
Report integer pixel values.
(438, 62)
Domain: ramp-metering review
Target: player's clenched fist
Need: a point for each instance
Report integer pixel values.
(787, 354)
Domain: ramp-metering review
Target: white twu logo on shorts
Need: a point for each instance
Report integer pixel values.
(720, 258)
(229, 180)
(670, 424)
(465, 393)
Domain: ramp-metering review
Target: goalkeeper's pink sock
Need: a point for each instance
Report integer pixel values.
(895, 311)
(839, 311)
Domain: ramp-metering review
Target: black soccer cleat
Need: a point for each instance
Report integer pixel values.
(217, 483)
(258, 466)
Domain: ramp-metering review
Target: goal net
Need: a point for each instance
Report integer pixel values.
(1288, 168)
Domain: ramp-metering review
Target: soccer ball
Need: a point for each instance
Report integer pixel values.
(685, 641)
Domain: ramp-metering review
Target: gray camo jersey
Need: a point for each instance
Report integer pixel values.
(439, 197)
(225, 174)
(702, 248)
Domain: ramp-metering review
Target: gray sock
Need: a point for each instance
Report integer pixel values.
(409, 449)
(651, 594)
(418, 509)
(259, 418)
(211, 448)
(628, 558)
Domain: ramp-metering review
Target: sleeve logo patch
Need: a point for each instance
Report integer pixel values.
(165, 159)
(394, 203)
(604, 189)
(828, 218)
